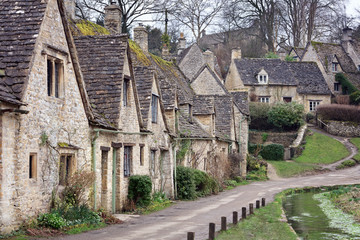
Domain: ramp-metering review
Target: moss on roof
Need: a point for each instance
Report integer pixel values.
(140, 55)
(163, 64)
(87, 28)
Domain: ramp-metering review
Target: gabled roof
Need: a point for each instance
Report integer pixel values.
(20, 23)
(326, 51)
(309, 77)
(103, 74)
(213, 74)
(223, 116)
(203, 105)
(242, 102)
(298, 51)
(191, 129)
(278, 71)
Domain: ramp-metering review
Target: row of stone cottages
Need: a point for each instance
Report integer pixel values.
(70, 103)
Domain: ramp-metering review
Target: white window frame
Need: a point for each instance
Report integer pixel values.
(264, 99)
(334, 67)
(262, 79)
(313, 104)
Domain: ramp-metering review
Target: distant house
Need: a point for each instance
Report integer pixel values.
(274, 80)
(333, 58)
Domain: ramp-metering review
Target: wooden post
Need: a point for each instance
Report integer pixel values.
(263, 202)
(251, 208)
(243, 213)
(190, 236)
(257, 204)
(211, 231)
(235, 218)
(223, 223)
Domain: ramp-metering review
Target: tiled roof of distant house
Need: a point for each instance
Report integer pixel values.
(241, 100)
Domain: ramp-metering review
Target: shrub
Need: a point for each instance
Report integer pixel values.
(255, 148)
(346, 164)
(254, 163)
(258, 175)
(79, 215)
(286, 115)
(273, 152)
(347, 86)
(51, 220)
(355, 98)
(271, 55)
(185, 183)
(74, 192)
(204, 184)
(310, 116)
(139, 190)
(230, 183)
(339, 112)
(259, 116)
(264, 137)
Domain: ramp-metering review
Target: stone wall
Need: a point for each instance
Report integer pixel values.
(285, 139)
(345, 129)
(205, 84)
(192, 62)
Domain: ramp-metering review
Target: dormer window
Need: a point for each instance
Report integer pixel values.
(334, 67)
(262, 77)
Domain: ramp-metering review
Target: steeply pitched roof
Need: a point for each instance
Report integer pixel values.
(326, 52)
(223, 116)
(102, 67)
(241, 100)
(20, 23)
(191, 129)
(203, 105)
(277, 70)
(309, 77)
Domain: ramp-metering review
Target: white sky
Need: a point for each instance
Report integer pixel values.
(351, 6)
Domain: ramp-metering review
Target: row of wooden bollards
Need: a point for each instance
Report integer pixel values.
(191, 235)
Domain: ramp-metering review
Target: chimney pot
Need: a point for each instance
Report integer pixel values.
(236, 53)
(182, 43)
(141, 37)
(210, 59)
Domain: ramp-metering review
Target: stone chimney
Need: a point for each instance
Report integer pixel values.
(70, 8)
(113, 18)
(182, 43)
(236, 53)
(347, 34)
(165, 53)
(209, 59)
(141, 37)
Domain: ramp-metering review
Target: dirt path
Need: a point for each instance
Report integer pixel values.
(174, 222)
(345, 141)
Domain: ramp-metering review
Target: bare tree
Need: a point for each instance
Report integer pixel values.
(130, 9)
(196, 15)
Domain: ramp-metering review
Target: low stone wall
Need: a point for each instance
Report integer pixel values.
(345, 129)
(285, 139)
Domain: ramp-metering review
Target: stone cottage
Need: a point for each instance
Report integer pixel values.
(274, 80)
(44, 113)
(333, 58)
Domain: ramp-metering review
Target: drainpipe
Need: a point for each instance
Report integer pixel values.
(175, 183)
(114, 181)
(93, 144)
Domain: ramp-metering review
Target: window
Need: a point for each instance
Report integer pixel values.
(126, 92)
(262, 79)
(127, 160)
(32, 166)
(66, 167)
(55, 69)
(152, 162)
(287, 99)
(358, 67)
(313, 104)
(334, 67)
(264, 99)
(141, 155)
(336, 87)
(154, 108)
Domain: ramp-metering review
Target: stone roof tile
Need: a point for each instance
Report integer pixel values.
(241, 100)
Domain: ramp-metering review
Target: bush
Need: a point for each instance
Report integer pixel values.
(254, 163)
(204, 184)
(259, 116)
(139, 190)
(355, 98)
(286, 116)
(347, 86)
(273, 152)
(310, 116)
(80, 215)
(185, 183)
(346, 164)
(230, 183)
(258, 175)
(337, 112)
(51, 220)
(254, 148)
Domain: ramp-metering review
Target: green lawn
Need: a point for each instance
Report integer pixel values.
(356, 142)
(321, 149)
(264, 224)
(289, 169)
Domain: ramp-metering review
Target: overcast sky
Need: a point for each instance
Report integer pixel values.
(353, 4)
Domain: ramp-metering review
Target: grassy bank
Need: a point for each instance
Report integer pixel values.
(264, 224)
(319, 149)
(356, 142)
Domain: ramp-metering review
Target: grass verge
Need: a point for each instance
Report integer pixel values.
(289, 169)
(356, 142)
(264, 224)
(321, 149)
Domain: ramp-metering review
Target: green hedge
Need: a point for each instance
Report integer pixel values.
(252, 148)
(273, 152)
(204, 184)
(355, 98)
(347, 87)
(286, 116)
(139, 190)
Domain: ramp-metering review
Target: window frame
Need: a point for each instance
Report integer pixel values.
(262, 79)
(313, 104)
(126, 87)
(152, 164)
(127, 160)
(142, 155)
(334, 67)
(33, 166)
(336, 86)
(262, 98)
(55, 77)
(154, 108)
(68, 168)
(288, 98)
